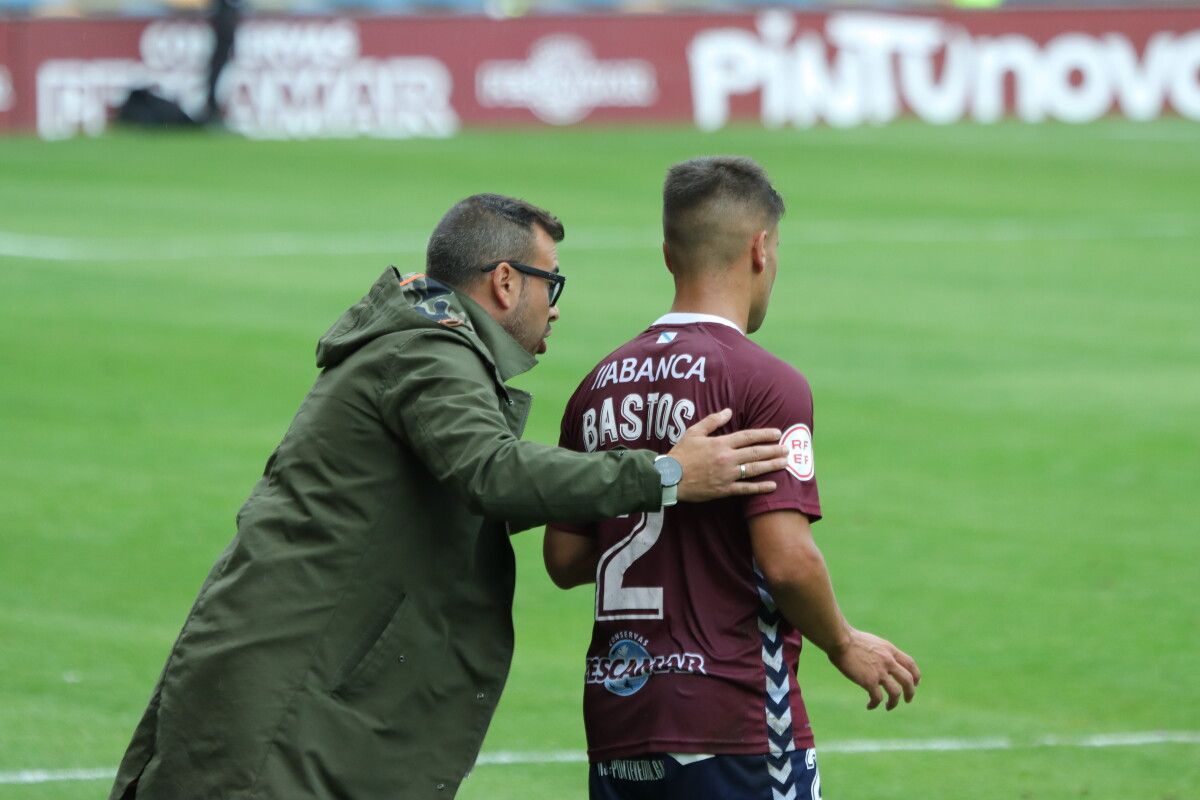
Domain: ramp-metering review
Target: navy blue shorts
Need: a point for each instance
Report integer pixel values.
(660, 776)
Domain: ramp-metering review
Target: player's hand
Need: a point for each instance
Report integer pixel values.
(878, 666)
(721, 466)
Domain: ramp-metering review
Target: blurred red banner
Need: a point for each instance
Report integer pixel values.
(401, 76)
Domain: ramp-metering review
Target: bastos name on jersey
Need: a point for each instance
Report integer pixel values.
(642, 416)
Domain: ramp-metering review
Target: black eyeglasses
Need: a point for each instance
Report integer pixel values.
(557, 281)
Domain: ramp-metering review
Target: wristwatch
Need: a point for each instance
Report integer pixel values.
(670, 473)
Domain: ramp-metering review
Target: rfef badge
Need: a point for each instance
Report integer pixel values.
(798, 441)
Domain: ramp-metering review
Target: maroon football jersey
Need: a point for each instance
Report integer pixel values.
(689, 653)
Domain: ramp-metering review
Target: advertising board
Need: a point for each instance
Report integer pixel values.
(400, 77)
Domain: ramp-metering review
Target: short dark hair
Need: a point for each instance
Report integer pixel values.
(707, 200)
(481, 229)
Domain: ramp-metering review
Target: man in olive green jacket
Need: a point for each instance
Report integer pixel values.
(353, 639)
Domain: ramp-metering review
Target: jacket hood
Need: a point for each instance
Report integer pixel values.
(402, 302)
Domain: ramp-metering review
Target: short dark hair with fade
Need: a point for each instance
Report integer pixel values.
(481, 229)
(708, 202)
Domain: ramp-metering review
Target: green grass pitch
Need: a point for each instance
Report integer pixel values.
(1001, 325)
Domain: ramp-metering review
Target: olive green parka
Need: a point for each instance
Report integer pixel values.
(353, 639)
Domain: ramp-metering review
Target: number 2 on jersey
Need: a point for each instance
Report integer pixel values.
(615, 600)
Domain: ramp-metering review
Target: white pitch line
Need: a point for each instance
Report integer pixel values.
(916, 745)
(260, 245)
(1121, 739)
(544, 757)
(26, 776)
(505, 757)
(992, 232)
(819, 232)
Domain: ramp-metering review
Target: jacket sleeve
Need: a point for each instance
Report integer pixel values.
(441, 399)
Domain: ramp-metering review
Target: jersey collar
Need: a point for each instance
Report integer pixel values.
(687, 318)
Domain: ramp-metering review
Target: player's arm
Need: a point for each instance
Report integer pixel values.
(798, 580)
(570, 557)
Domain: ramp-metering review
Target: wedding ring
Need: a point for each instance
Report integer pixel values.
(741, 472)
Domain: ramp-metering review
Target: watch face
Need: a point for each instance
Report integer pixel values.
(669, 470)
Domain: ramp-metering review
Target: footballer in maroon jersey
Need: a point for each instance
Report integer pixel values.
(690, 679)
(677, 596)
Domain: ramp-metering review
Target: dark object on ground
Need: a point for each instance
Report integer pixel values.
(146, 109)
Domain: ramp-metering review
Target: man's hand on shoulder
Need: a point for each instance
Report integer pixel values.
(721, 466)
(875, 663)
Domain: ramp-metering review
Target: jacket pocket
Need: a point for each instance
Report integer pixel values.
(375, 650)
